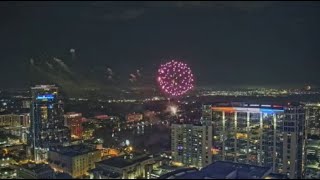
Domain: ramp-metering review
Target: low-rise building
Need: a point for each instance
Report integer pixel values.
(134, 117)
(224, 170)
(157, 172)
(15, 153)
(15, 120)
(35, 171)
(19, 133)
(75, 160)
(8, 173)
(60, 175)
(123, 167)
(6, 160)
(74, 122)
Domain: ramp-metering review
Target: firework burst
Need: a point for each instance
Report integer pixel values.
(175, 78)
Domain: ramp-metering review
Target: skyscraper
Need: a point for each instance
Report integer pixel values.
(267, 135)
(47, 122)
(312, 150)
(313, 120)
(206, 118)
(312, 154)
(293, 141)
(191, 144)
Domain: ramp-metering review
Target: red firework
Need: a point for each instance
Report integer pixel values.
(175, 78)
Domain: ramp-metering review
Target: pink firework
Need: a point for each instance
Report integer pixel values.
(175, 78)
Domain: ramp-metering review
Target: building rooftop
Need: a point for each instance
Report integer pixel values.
(74, 150)
(189, 124)
(165, 169)
(221, 170)
(125, 160)
(254, 106)
(106, 173)
(73, 114)
(8, 169)
(44, 87)
(63, 176)
(6, 113)
(253, 109)
(276, 176)
(37, 168)
(179, 174)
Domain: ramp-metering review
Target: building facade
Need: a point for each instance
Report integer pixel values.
(16, 125)
(130, 166)
(294, 141)
(266, 135)
(134, 117)
(312, 150)
(75, 160)
(313, 120)
(312, 164)
(74, 122)
(191, 144)
(47, 122)
(15, 120)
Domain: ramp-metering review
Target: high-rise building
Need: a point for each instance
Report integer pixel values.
(206, 118)
(191, 144)
(312, 168)
(74, 122)
(26, 104)
(267, 135)
(293, 141)
(47, 122)
(312, 149)
(313, 120)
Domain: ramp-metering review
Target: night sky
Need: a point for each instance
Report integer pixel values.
(225, 43)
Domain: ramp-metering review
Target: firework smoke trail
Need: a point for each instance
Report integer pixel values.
(63, 65)
(73, 54)
(49, 65)
(132, 78)
(109, 71)
(109, 74)
(138, 73)
(31, 61)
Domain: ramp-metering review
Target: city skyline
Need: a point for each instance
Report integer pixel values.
(159, 90)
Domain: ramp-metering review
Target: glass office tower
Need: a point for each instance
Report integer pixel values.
(267, 135)
(47, 122)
